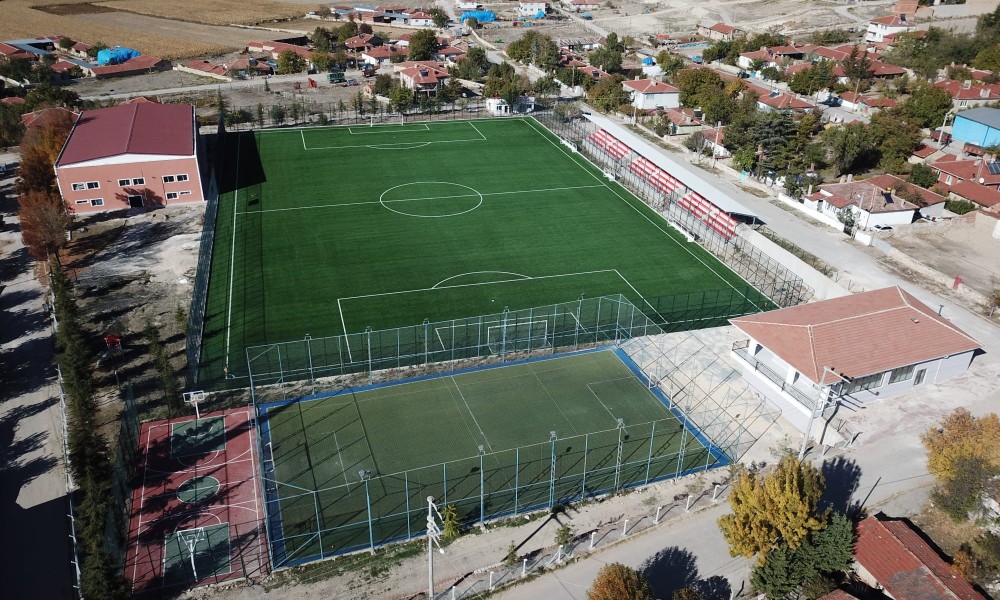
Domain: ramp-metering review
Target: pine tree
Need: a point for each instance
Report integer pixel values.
(775, 577)
(833, 548)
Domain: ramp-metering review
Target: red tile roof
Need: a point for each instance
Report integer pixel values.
(839, 595)
(923, 151)
(986, 197)
(46, 115)
(856, 335)
(722, 28)
(966, 170)
(959, 91)
(139, 63)
(12, 100)
(905, 565)
(651, 86)
(130, 129)
(893, 21)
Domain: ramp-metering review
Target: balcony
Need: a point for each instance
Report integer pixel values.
(802, 397)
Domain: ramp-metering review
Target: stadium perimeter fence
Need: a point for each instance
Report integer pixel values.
(289, 369)
(126, 451)
(764, 273)
(306, 525)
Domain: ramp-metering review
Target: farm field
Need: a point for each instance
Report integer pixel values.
(327, 231)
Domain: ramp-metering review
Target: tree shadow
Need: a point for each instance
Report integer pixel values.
(14, 265)
(843, 476)
(675, 568)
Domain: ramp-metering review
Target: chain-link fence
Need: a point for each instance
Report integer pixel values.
(764, 273)
(126, 449)
(306, 525)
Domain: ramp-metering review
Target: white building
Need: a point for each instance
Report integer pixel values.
(467, 5)
(648, 94)
(883, 26)
(815, 358)
(530, 9)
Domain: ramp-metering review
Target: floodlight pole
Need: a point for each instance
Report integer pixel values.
(821, 400)
(430, 547)
(482, 488)
(365, 475)
(552, 473)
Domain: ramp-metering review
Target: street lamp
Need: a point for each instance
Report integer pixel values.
(365, 475)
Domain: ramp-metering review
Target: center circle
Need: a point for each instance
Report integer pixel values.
(197, 490)
(431, 199)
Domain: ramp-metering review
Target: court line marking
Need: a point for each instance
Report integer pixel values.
(473, 125)
(613, 415)
(551, 399)
(232, 257)
(472, 414)
(340, 457)
(630, 205)
(389, 146)
(507, 193)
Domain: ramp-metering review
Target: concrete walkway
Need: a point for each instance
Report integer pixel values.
(34, 558)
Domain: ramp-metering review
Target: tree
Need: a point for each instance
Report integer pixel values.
(608, 94)
(65, 43)
(43, 220)
(778, 507)
(606, 58)
(440, 17)
(534, 48)
(277, 114)
(472, 23)
(688, 593)
(669, 63)
(564, 535)
(820, 557)
(422, 45)
(896, 134)
(928, 105)
(323, 61)
(698, 86)
(400, 98)
(323, 39)
(922, 175)
(832, 549)
(988, 58)
(776, 576)
(849, 146)
(546, 86)
(857, 67)
(290, 62)
(172, 393)
(615, 581)
(961, 435)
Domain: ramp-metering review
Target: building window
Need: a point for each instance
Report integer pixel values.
(83, 201)
(901, 374)
(947, 180)
(182, 178)
(97, 202)
(171, 195)
(139, 181)
(89, 185)
(862, 383)
(124, 182)
(187, 193)
(168, 179)
(920, 377)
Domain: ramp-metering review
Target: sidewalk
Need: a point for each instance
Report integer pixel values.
(34, 561)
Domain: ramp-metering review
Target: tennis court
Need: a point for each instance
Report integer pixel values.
(353, 469)
(328, 231)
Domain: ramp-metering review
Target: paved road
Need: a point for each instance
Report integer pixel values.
(34, 555)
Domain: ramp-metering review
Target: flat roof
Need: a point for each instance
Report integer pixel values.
(983, 115)
(689, 176)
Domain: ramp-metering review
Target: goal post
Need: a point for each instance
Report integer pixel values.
(517, 335)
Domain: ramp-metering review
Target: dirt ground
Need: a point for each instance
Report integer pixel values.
(234, 37)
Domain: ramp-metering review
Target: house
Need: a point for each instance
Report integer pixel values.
(966, 95)
(80, 49)
(423, 77)
(203, 67)
(382, 55)
(362, 42)
(776, 101)
(274, 50)
(129, 156)
(584, 5)
(683, 121)
(877, 201)
(147, 63)
(417, 18)
(715, 138)
(892, 556)
(42, 116)
(467, 5)
(720, 32)
(987, 198)
(809, 359)
(979, 126)
(499, 107)
(530, 9)
(585, 44)
(864, 103)
(649, 94)
(772, 56)
(891, 25)
(878, 69)
(953, 170)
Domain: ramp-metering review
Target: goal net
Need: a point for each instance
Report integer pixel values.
(516, 335)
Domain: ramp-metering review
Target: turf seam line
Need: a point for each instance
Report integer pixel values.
(613, 191)
(551, 399)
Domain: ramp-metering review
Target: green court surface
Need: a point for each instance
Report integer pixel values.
(197, 437)
(326, 231)
(211, 554)
(425, 437)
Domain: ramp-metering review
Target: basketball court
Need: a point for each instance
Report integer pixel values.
(196, 516)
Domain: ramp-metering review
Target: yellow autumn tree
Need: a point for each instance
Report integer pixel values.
(778, 506)
(615, 581)
(961, 436)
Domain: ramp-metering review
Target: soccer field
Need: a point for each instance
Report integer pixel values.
(425, 437)
(325, 231)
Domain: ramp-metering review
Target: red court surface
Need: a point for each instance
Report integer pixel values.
(167, 547)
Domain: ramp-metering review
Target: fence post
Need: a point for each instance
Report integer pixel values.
(552, 471)
(482, 489)
(517, 475)
(618, 455)
(444, 480)
(586, 443)
(649, 458)
(593, 534)
(576, 328)
(368, 335)
(406, 485)
(555, 319)
(427, 328)
(531, 314)
(319, 522)
(312, 377)
(656, 519)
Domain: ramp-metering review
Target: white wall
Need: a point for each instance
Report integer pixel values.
(651, 101)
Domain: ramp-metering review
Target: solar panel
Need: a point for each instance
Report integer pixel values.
(994, 167)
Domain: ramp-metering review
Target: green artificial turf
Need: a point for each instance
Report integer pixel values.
(324, 231)
(422, 438)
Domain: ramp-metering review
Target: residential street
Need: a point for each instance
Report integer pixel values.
(34, 558)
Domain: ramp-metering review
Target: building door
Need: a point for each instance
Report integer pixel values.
(135, 201)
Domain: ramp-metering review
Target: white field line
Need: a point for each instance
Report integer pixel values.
(344, 204)
(613, 191)
(472, 414)
(302, 132)
(379, 129)
(343, 327)
(377, 145)
(598, 398)
(232, 256)
(473, 125)
(463, 285)
(629, 284)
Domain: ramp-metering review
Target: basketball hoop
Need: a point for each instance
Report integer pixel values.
(195, 398)
(190, 539)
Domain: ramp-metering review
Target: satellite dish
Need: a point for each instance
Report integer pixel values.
(982, 181)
